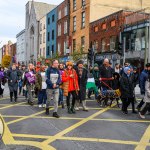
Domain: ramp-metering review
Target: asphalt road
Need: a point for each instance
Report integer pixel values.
(28, 128)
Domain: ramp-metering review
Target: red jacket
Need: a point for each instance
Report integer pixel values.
(73, 82)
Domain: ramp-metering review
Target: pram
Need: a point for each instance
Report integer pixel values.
(106, 95)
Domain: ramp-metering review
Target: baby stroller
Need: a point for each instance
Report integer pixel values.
(109, 94)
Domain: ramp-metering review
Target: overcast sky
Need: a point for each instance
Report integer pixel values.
(12, 18)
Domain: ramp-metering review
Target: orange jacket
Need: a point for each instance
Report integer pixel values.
(73, 82)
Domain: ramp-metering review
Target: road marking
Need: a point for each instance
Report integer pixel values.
(60, 134)
(26, 117)
(144, 142)
(12, 105)
(75, 118)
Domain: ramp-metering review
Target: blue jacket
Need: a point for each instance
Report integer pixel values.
(143, 78)
(49, 83)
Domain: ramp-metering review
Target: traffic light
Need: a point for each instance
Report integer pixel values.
(90, 55)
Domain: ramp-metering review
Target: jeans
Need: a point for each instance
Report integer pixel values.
(55, 94)
(60, 96)
(30, 94)
(42, 97)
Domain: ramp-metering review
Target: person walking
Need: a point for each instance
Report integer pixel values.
(29, 82)
(127, 90)
(82, 74)
(146, 99)
(13, 78)
(2, 81)
(70, 86)
(53, 81)
(40, 85)
(142, 80)
(61, 71)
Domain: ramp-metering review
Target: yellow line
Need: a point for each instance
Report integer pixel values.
(26, 117)
(99, 140)
(31, 136)
(144, 140)
(70, 118)
(12, 105)
(75, 126)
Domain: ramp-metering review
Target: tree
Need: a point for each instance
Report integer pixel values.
(77, 54)
(6, 61)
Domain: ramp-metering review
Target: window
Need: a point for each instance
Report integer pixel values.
(104, 26)
(59, 48)
(82, 41)
(83, 20)
(113, 23)
(74, 23)
(43, 26)
(103, 45)
(83, 3)
(112, 43)
(59, 14)
(65, 27)
(53, 35)
(42, 53)
(74, 5)
(48, 20)
(52, 49)
(96, 45)
(44, 37)
(96, 29)
(53, 18)
(74, 44)
(40, 26)
(48, 50)
(40, 38)
(59, 30)
(65, 11)
(48, 36)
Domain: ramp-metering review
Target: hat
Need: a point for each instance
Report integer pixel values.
(69, 63)
(126, 70)
(80, 62)
(95, 65)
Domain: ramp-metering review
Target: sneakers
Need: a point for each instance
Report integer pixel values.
(40, 106)
(55, 115)
(44, 105)
(77, 108)
(142, 116)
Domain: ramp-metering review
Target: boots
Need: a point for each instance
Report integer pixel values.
(47, 111)
(62, 105)
(11, 96)
(73, 110)
(69, 110)
(84, 106)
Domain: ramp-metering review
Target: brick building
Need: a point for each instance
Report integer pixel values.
(13, 52)
(105, 35)
(63, 21)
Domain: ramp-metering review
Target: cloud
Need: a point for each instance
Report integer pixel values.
(12, 17)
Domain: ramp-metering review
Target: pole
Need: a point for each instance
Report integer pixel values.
(146, 46)
(124, 49)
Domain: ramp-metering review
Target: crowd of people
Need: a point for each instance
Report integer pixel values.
(72, 81)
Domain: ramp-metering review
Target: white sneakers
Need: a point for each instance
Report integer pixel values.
(142, 116)
(44, 106)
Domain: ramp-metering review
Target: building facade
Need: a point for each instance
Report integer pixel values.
(63, 44)
(83, 12)
(6, 50)
(34, 12)
(21, 51)
(51, 44)
(13, 53)
(42, 35)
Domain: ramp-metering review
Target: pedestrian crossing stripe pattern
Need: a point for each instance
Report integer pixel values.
(8, 137)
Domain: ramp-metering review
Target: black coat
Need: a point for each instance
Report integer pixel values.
(106, 73)
(127, 86)
(82, 83)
